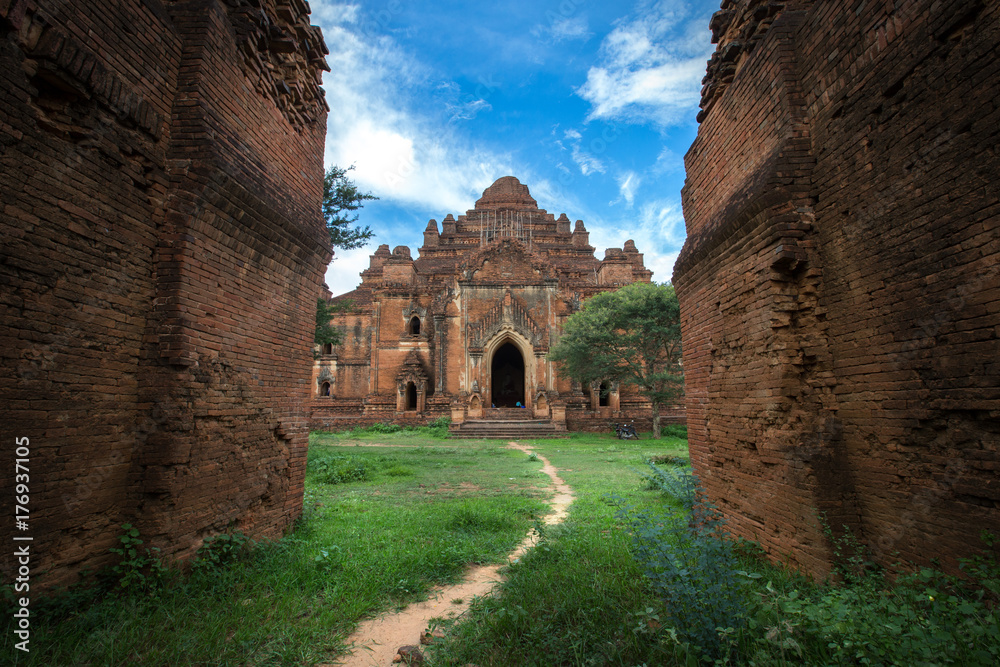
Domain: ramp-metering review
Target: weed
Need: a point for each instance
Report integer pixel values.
(328, 559)
(222, 550)
(140, 568)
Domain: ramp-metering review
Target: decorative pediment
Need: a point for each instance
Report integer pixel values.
(413, 371)
(510, 314)
(507, 261)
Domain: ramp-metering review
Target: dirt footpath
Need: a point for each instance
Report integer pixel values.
(376, 641)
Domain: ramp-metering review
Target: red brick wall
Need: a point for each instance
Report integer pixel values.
(163, 248)
(839, 287)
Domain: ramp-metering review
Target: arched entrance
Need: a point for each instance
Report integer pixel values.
(411, 396)
(507, 377)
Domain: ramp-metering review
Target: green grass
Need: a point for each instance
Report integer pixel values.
(581, 598)
(577, 598)
(382, 524)
(417, 516)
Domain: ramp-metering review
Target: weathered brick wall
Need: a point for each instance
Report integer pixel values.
(163, 248)
(839, 287)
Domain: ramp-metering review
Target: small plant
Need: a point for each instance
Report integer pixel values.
(219, 551)
(140, 568)
(533, 457)
(669, 460)
(328, 558)
(440, 422)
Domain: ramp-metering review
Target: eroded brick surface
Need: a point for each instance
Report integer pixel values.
(162, 173)
(840, 289)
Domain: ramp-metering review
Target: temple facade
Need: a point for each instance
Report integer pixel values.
(464, 329)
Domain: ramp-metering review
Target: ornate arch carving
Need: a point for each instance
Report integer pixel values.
(508, 315)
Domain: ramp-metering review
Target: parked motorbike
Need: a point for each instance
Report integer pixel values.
(626, 431)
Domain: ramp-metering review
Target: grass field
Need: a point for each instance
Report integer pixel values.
(389, 513)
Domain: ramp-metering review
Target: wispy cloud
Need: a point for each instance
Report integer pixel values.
(587, 162)
(564, 28)
(650, 66)
(468, 110)
(628, 183)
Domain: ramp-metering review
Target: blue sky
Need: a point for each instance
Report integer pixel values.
(591, 104)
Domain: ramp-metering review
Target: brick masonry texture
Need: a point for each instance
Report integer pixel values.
(840, 285)
(163, 246)
(424, 338)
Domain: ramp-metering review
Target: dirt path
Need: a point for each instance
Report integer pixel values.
(376, 641)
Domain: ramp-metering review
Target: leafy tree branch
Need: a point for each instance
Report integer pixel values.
(341, 198)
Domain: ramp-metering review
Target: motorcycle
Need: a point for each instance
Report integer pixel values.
(626, 431)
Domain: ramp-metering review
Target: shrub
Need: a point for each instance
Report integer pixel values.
(693, 569)
(440, 422)
(675, 431)
(380, 427)
(340, 469)
(677, 483)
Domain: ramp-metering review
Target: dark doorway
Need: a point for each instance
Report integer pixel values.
(507, 377)
(411, 396)
(602, 399)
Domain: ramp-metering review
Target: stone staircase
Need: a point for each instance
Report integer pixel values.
(506, 429)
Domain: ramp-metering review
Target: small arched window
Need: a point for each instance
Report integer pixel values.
(414, 327)
(603, 397)
(324, 389)
(328, 348)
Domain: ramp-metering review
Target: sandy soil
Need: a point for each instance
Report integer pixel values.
(376, 641)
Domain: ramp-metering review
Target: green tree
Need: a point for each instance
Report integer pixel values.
(631, 336)
(325, 333)
(340, 198)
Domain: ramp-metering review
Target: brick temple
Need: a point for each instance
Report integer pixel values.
(463, 330)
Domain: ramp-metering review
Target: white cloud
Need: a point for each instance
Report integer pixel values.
(342, 275)
(663, 221)
(658, 231)
(650, 68)
(563, 28)
(667, 162)
(380, 120)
